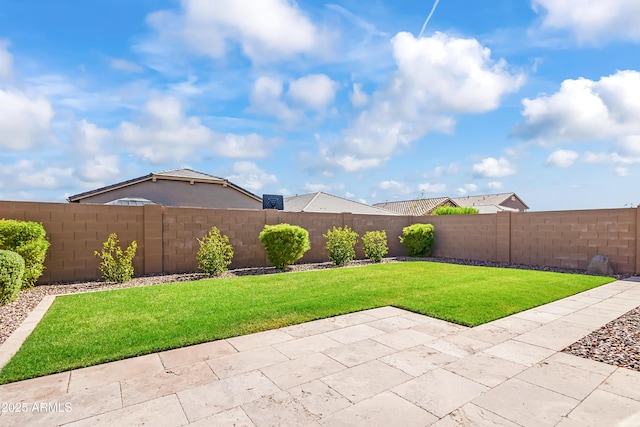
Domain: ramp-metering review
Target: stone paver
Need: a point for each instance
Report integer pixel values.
(439, 391)
(384, 367)
(383, 410)
(602, 408)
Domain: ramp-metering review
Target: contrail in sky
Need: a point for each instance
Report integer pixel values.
(433, 9)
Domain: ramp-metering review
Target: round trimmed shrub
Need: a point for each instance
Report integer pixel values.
(418, 239)
(284, 243)
(11, 272)
(215, 253)
(29, 240)
(375, 245)
(341, 242)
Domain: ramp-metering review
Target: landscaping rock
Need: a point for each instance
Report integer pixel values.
(600, 265)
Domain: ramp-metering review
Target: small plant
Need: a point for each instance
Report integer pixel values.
(11, 273)
(418, 239)
(341, 242)
(215, 253)
(29, 240)
(375, 245)
(284, 243)
(454, 210)
(116, 265)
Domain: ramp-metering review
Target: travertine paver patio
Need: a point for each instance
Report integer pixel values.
(381, 367)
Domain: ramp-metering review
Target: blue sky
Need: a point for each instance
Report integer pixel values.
(537, 97)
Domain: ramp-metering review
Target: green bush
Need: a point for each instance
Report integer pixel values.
(341, 242)
(451, 210)
(284, 243)
(116, 265)
(29, 240)
(375, 245)
(418, 239)
(11, 273)
(215, 253)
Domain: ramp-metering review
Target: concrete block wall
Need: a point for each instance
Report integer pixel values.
(571, 238)
(167, 237)
(75, 231)
(463, 236)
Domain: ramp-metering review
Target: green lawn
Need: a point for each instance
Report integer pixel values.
(87, 329)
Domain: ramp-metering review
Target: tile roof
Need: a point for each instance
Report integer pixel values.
(417, 207)
(328, 203)
(486, 199)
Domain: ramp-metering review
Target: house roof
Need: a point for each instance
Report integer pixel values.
(485, 209)
(180, 174)
(328, 203)
(417, 207)
(487, 200)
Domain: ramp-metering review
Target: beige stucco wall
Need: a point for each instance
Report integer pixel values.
(181, 193)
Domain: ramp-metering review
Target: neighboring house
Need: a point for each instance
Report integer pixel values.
(492, 203)
(417, 207)
(176, 187)
(487, 203)
(328, 203)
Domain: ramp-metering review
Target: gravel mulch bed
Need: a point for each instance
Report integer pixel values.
(616, 343)
(12, 314)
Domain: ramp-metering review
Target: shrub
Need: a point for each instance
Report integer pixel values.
(375, 245)
(215, 253)
(11, 273)
(341, 242)
(284, 243)
(451, 210)
(418, 239)
(29, 240)
(116, 265)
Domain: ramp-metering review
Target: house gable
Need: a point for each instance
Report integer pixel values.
(179, 187)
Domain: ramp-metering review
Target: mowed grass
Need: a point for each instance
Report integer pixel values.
(87, 329)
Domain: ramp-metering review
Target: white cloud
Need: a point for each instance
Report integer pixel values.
(432, 188)
(24, 121)
(592, 21)
(466, 189)
(32, 174)
(165, 133)
(493, 168)
(358, 97)
(6, 61)
(562, 158)
(89, 138)
(251, 177)
(411, 105)
(441, 171)
(494, 185)
(233, 145)
(100, 169)
(267, 30)
(394, 188)
(126, 66)
(622, 171)
(584, 110)
(315, 91)
(630, 146)
(314, 187)
(266, 99)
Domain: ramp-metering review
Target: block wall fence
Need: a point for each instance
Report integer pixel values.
(167, 236)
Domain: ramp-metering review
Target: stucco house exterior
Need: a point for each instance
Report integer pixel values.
(177, 187)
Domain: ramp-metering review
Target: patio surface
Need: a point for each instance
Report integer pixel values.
(380, 367)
